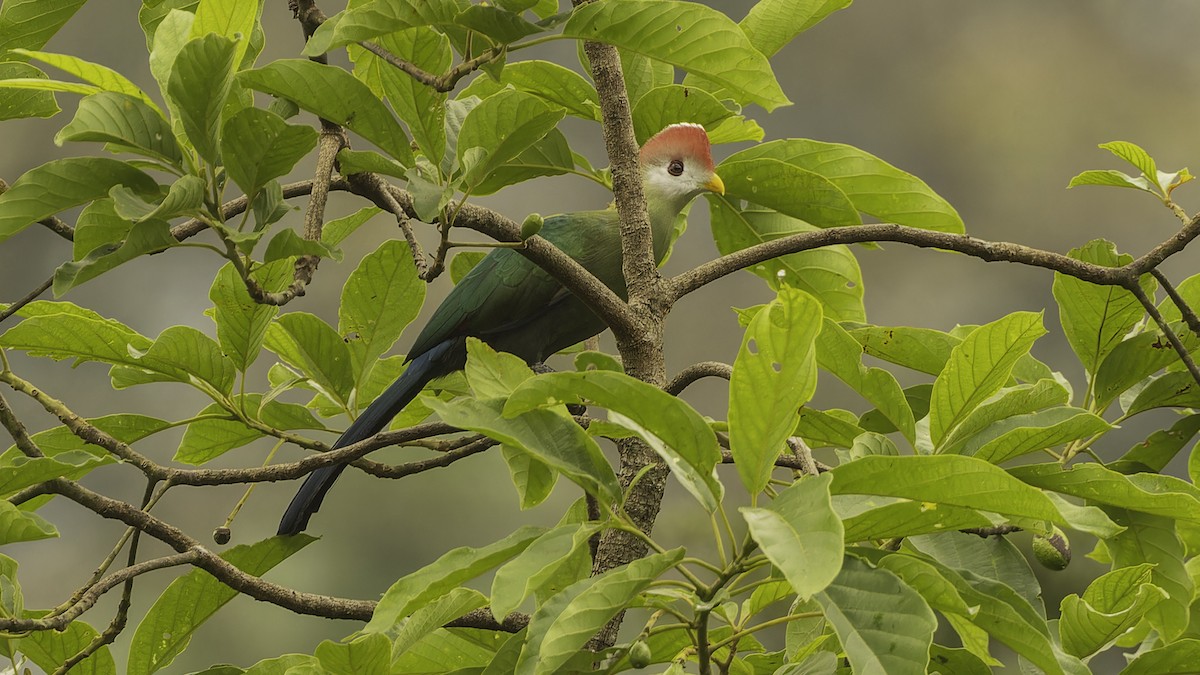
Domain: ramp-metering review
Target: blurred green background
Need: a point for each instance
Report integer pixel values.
(995, 105)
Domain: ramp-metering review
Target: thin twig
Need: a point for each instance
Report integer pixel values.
(1185, 309)
(29, 297)
(1165, 327)
(378, 191)
(92, 596)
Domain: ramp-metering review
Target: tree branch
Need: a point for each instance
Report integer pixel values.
(58, 226)
(302, 603)
(441, 83)
(1185, 310)
(698, 371)
(93, 594)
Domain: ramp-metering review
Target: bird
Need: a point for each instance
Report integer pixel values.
(514, 306)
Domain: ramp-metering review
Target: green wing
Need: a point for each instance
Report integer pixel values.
(505, 290)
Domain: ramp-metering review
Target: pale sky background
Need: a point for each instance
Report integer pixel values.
(995, 105)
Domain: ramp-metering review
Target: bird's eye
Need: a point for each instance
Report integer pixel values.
(675, 168)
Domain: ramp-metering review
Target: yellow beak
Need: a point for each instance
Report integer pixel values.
(715, 184)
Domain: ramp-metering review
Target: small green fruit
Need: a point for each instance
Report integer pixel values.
(639, 654)
(1053, 552)
(532, 225)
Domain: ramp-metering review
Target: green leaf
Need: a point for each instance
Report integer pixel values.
(337, 230)
(448, 651)
(1023, 434)
(538, 566)
(924, 350)
(199, 83)
(945, 479)
(991, 559)
(124, 427)
(1159, 448)
(1133, 154)
(993, 607)
(145, 237)
(788, 189)
(909, 519)
(190, 600)
(314, 348)
(1096, 318)
(562, 624)
(333, 94)
(831, 274)
(62, 184)
(497, 23)
(979, 366)
(947, 661)
(1111, 605)
(773, 375)
(280, 665)
(1009, 402)
(126, 121)
(241, 322)
(369, 20)
(237, 20)
(421, 107)
(1173, 390)
(368, 655)
(1111, 177)
(1153, 539)
(49, 649)
(694, 37)
(207, 439)
(17, 525)
(29, 24)
(1176, 657)
(549, 156)
(800, 534)
(841, 355)
(671, 427)
(430, 618)
(824, 428)
(259, 146)
(1152, 493)
(883, 624)
(102, 76)
(771, 24)
(494, 374)
(184, 354)
(532, 478)
(67, 334)
(642, 73)
(171, 33)
(287, 244)
(551, 437)
(872, 185)
(381, 297)
(418, 588)
(663, 106)
(503, 125)
(1133, 360)
(551, 82)
(21, 102)
(185, 197)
